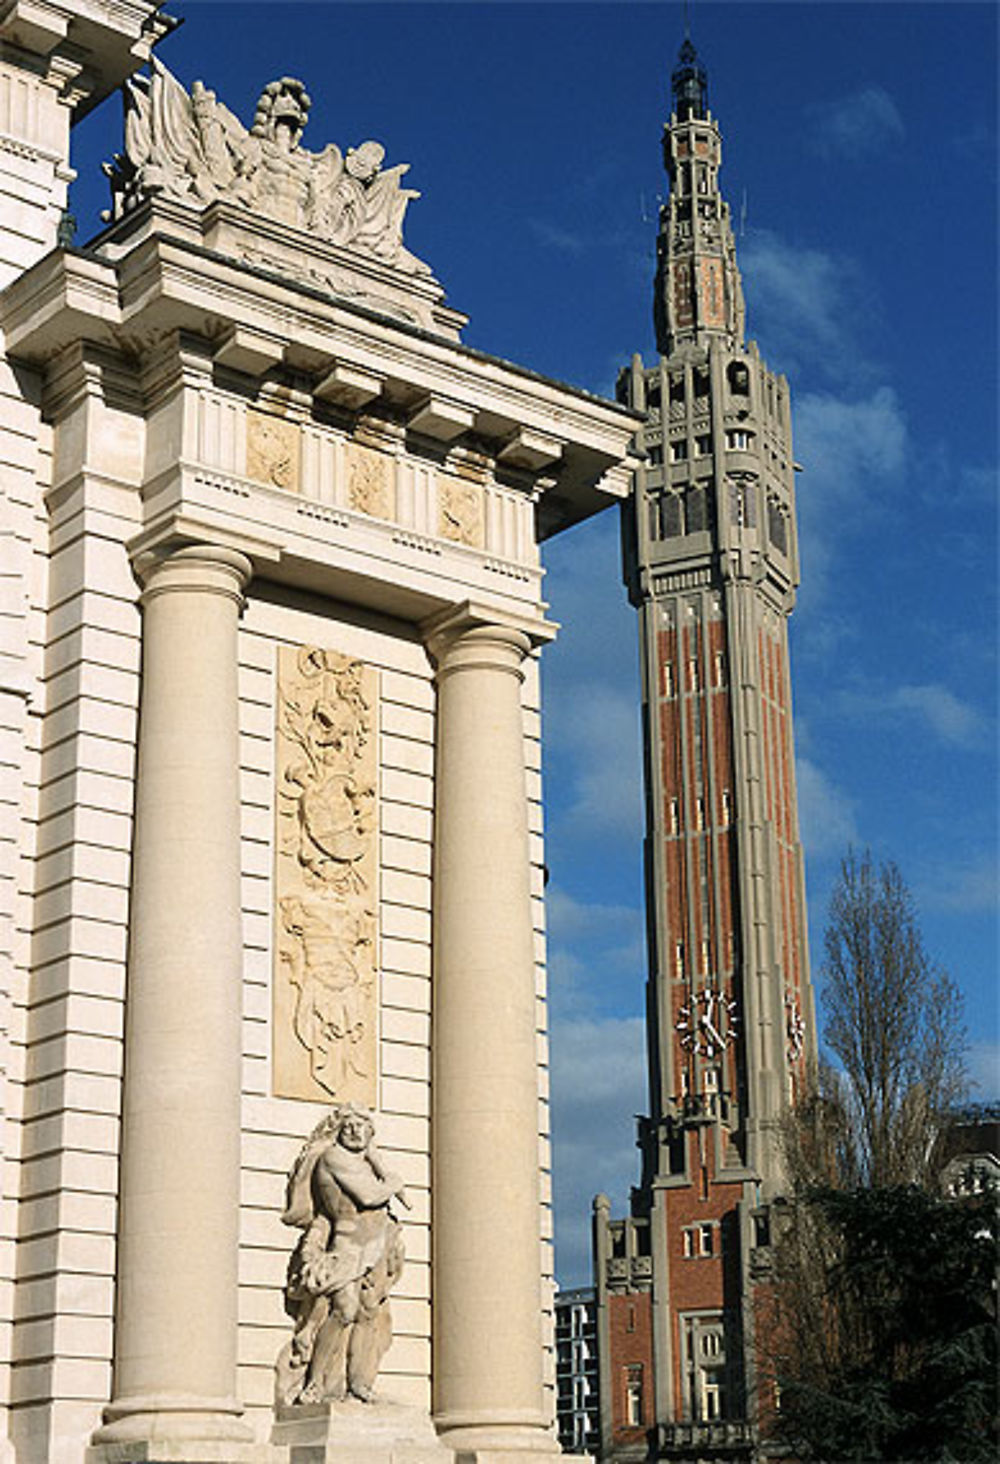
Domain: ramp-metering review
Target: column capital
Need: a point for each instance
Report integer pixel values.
(202, 568)
(471, 634)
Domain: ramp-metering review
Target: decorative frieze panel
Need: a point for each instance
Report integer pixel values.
(458, 503)
(369, 481)
(326, 877)
(273, 451)
(461, 510)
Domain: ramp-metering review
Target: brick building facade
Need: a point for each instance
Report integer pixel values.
(711, 567)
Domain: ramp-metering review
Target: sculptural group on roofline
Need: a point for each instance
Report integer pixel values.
(194, 149)
(347, 1259)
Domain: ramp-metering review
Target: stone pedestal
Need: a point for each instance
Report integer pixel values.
(358, 1433)
(488, 1350)
(178, 1238)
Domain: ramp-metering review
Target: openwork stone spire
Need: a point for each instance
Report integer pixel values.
(698, 290)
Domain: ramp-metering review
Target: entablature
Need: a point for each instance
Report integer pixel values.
(562, 445)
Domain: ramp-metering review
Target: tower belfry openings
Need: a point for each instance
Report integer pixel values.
(711, 566)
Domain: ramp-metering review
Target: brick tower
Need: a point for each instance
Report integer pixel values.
(711, 566)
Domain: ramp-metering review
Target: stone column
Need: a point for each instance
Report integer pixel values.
(486, 1283)
(178, 1234)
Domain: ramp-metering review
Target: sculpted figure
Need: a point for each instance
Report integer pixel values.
(330, 964)
(349, 1256)
(194, 149)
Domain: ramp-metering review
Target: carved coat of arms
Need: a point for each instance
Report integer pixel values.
(326, 877)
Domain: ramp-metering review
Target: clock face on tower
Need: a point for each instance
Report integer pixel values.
(707, 1023)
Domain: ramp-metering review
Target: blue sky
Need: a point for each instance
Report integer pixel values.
(860, 161)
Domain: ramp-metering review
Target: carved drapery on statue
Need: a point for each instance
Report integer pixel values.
(193, 148)
(348, 1258)
(326, 875)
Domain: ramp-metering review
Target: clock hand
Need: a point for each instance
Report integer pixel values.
(715, 1034)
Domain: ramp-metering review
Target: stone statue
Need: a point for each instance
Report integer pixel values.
(194, 149)
(348, 1258)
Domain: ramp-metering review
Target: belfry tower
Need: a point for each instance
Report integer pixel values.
(711, 567)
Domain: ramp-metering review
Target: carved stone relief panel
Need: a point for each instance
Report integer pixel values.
(369, 481)
(326, 877)
(272, 451)
(461, 510)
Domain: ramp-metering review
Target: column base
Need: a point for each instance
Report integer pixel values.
(513, 1456)
(175, 1429)
(181, 1451)
(497, 1442)
(358, 1433)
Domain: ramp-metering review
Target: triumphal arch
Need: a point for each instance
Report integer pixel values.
(271, 923)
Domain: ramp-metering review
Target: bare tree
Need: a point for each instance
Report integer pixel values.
(860, 1152)
(893, 1024)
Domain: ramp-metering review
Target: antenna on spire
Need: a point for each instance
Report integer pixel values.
(687, 20)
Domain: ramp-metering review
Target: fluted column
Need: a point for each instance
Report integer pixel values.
(486, 1285)
(176, 1323)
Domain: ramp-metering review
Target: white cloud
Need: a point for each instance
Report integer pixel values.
(799, 298)
(556, 238)
(936, 707)
(949, 718)
(826, 813)
(596, 954)
(598, 727)
(598, 1084)
(984, 1070)
(846, 448)
(860, 125)
(969, 887)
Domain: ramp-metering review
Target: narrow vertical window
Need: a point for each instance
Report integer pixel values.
(675, 816)
(679, 958)
(727, 808)
(633, 1395)
(668, 679)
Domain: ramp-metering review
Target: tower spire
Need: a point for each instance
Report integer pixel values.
(689, 81)
(699, 295)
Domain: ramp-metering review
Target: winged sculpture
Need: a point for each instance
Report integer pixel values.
(191, 147)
